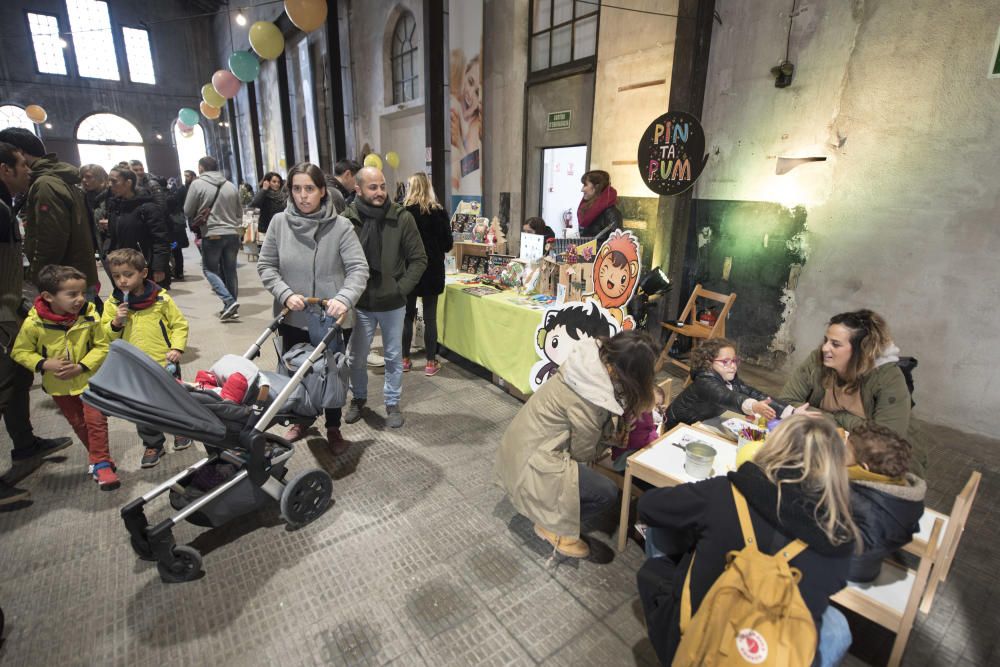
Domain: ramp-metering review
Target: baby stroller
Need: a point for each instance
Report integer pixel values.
(129, 383)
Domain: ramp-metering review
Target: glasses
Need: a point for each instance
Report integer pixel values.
(728, 363)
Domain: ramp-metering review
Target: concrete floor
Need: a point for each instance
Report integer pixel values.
(421, 560)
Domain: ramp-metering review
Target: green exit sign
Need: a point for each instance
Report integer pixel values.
(560, 120)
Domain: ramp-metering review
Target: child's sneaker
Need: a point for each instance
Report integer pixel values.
(151, 457)
(181, 443)
(432, 368)
(104, 475)
(407, 364)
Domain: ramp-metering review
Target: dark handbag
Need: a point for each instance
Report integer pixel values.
(201, 218)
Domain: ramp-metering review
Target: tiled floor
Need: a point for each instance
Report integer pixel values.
(421, 560)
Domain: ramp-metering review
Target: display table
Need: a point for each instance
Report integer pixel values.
(492, 331)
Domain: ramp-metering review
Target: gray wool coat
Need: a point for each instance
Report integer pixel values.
(312, 255)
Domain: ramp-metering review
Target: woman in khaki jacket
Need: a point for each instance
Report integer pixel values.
(567, 423)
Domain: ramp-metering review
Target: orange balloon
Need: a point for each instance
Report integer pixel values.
(307, 15)
(208, 111)
(35, 113)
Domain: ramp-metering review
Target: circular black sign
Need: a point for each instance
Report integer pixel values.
(671, 153)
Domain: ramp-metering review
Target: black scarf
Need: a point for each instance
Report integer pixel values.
(370, 235)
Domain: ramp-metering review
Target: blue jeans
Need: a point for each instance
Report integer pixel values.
(597, 492)
(391, 322)
(218, 262)
(834, 632)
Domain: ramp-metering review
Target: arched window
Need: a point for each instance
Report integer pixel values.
(190, 149)
(404, 59)
(107, 139)
(14, 116)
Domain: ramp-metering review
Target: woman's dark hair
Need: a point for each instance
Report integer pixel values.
(271, 174)
(127, 174)
(314, 173)
(703, 355)
(869, 337)
(536, 224)
(632, 356)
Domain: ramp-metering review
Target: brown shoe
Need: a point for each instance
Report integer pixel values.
(296, 432)
(567, 546)
(337, 443)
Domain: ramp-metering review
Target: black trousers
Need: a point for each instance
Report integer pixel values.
(430, 325)
(15, 381)
(292, 336)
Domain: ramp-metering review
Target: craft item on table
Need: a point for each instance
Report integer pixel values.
(479, 230)
(481, 291)
(469, 207)
(616, 275)
(530, 277)
(497, 263)
(500, 239)
(510, 275)
(462, 223)
(532, 246)
(450, 264)
(571, 256)
(562, 328)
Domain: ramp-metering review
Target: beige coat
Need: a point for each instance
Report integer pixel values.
(562, 423)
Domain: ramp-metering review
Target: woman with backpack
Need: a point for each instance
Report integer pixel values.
(855, 378)
(796, 488)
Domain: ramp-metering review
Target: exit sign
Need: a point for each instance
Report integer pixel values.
(560, 120)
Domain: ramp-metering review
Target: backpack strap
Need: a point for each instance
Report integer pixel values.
(686, 598)
(788, 552)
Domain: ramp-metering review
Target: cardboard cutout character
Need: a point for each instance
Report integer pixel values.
(561, 329)
(616, 275)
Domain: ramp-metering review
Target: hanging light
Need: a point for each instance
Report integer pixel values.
(241, 20)
(48, 126)
(159, 136)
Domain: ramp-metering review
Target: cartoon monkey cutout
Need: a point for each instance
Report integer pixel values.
(616, 274)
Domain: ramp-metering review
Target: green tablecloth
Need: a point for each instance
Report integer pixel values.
(491, 331)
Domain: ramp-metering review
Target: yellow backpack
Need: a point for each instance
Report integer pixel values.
(753, 614)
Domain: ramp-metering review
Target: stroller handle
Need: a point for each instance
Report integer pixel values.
(254, 350)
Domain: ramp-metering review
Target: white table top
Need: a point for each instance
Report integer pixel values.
(667, 458)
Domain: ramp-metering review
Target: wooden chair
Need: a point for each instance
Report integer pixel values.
(691, 328)
(893, 598)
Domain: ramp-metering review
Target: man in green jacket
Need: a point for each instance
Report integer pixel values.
(57, 227)
(396, 260)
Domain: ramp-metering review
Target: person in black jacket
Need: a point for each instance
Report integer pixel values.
(597, 214)
(177, 222)
(136, 221)
(796, 488)
(716, 387)
(271, 199)
(886, 499)
(435, 232)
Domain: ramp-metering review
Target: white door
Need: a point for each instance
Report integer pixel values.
(561, 172)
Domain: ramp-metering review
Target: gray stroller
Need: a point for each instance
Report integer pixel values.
(245, 466)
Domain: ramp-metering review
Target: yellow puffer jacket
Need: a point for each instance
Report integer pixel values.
(155, 330)
(84, 342)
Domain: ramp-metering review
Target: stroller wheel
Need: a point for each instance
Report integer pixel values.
(306, 497)
(185, 566)
(141, 548)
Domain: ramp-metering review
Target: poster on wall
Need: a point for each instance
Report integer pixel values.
(465, 103)
(602, 313)
(672, 153)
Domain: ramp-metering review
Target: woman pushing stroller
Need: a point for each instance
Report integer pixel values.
(311, 251)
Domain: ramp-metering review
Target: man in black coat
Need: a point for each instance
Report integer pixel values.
(136, 221)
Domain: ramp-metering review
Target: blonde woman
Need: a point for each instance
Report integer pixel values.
(854, 377)
(435, 232)
(796, 488)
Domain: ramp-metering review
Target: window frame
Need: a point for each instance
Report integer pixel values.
(128, 63)
(395, 58)
(31, 38)
(117, 45)
(573, 64)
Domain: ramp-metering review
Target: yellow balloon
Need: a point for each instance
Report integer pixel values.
(208, 111)
(307, 15)
(392, 158)
(212, 96)
(373, 160)
(267, 40)
(35, 113)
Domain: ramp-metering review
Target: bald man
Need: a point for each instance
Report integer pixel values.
(396, 260)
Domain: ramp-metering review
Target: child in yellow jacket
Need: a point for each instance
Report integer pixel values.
(142, 313)
(62, 338)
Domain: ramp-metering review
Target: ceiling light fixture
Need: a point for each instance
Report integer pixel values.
(241, 20)
(159, 136)
(48, 126)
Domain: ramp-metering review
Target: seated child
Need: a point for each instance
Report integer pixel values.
(644, 430)
(716, 388)
(887, 500)
(141, 312)
(62, 338)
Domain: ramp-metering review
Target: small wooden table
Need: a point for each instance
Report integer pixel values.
(661, 463)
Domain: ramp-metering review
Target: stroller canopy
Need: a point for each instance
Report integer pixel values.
(131, 386)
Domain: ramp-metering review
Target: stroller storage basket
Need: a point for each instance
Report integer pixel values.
(244, 498)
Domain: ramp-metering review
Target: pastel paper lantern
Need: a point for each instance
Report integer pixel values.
(373, 160)
(210, 112)
(392, 159)
(212, 96)
(225, 84)
(188, 116)
(244, 66)
(307, 15)
(266, 40)
(35, 113)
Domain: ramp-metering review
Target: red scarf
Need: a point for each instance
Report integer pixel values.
(588, 211)
(45, 312)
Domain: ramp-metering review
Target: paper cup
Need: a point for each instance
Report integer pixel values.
(699, 459)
